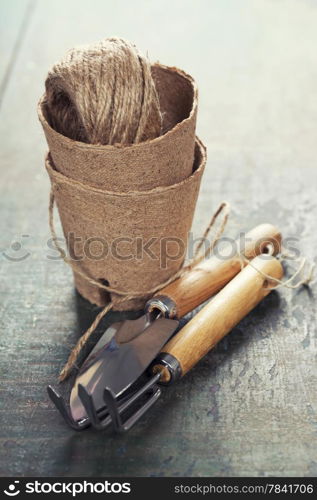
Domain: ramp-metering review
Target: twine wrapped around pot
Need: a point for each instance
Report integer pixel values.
(126, 209)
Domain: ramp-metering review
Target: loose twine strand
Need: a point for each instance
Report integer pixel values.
(285, 283)
(224, 209)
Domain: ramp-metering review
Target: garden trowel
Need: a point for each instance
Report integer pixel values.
(109, 377)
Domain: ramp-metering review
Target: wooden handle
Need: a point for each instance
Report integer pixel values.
(220, 315)
(208, 277)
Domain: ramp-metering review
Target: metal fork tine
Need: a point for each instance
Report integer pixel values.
(138, 414)
(60, 404)
(112, 411)
(118, 424)
(110, 401)
(115, 410)
(89, 406)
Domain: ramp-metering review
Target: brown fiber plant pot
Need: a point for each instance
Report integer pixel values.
(113, 200)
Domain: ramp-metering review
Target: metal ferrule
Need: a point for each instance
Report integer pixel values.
(173, 366)
(161, 303)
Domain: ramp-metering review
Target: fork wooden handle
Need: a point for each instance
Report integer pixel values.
(208, 277)
(217, 318)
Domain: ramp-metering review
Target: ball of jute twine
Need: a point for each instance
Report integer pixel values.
(224, 209)
(104, 94)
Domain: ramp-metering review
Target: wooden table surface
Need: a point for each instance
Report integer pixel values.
(249, 408)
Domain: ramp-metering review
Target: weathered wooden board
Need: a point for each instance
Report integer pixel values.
(249, 408)
(14, 20)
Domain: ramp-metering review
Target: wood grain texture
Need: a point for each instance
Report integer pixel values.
(249, 408)
(210, 276)
(223, 312)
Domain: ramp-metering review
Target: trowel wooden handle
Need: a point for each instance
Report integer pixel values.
(208, 277)
(217, 318)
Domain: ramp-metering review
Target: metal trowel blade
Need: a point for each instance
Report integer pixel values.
(118, 365)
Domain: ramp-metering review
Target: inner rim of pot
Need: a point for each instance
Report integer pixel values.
(176, 95)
